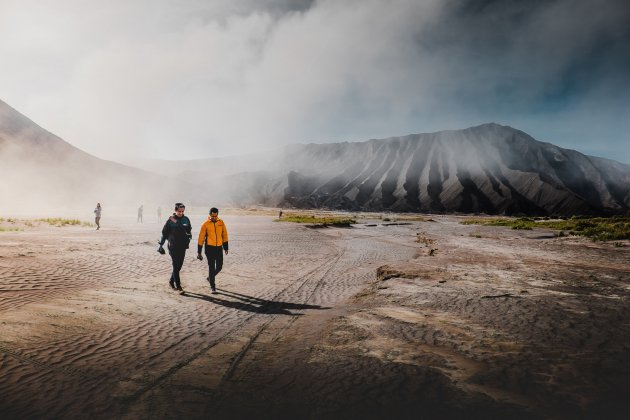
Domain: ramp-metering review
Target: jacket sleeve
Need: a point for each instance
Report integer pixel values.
(165, 232)
(225, 237)
(202, 237)
(189, 230)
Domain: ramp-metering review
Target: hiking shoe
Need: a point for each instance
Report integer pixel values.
(214, 290)
(172, 285)
(180, 290)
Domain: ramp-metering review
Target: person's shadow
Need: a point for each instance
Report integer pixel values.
(253, 304)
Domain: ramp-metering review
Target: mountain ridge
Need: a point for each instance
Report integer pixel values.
(489, 168)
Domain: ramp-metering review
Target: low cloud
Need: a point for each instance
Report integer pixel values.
(181, 80)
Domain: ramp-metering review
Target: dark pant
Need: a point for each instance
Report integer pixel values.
(177, 256)
(214, 255)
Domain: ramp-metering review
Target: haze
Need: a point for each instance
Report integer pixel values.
(193, 79)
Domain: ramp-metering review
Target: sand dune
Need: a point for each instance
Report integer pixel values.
(326, 323)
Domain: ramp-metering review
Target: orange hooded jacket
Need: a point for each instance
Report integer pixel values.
(213, 234)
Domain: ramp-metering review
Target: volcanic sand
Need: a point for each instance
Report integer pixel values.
(418, 319)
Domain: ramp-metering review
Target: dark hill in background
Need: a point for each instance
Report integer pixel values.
(487, 169)
(490, 169)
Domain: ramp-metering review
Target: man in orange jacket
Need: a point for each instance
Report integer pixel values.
(214, 236)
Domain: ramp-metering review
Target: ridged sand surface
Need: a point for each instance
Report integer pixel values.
(361, 322)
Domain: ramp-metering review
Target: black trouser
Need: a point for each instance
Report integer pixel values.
(214, 255)
(177, 255)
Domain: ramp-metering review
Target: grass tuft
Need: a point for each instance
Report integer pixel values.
(31, 223)
(597, 228)
(9, 229)
(58, 221)
(320, 220)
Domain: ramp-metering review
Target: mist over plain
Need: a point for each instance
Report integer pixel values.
(490, 168)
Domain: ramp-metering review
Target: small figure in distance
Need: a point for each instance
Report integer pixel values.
(97, 215)
(177, 230)
(213, 236)
(280, 215)
(140, 210)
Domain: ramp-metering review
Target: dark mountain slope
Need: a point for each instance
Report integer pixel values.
(489, 169)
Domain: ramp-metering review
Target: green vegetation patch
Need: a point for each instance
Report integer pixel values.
(9, 229)
(597, 228)
(319, 220)
(19, 224)
(58, 221)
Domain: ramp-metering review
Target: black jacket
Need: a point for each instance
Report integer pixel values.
(177, 230)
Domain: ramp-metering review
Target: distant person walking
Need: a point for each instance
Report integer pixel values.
(213, 236)
(97, 215)
(159, 212)
(177, 230)
(140, 210)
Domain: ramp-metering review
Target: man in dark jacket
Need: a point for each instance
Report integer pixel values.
(177, 230)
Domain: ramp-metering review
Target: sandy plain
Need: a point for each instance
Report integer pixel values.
(411, 319)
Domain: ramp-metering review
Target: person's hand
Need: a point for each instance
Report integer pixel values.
(226, 252)
(199, 257)
(161, 250)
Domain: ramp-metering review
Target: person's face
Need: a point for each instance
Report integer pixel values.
(180, 211)
(214, 216)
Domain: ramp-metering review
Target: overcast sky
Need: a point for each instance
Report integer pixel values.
(189, 79)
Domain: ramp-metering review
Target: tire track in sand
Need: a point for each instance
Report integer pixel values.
(304, 279)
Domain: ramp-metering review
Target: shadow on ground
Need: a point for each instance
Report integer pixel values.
(254, 304)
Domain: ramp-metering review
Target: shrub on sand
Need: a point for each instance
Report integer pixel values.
(58, 221)
(321, 220)
(597, 228)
